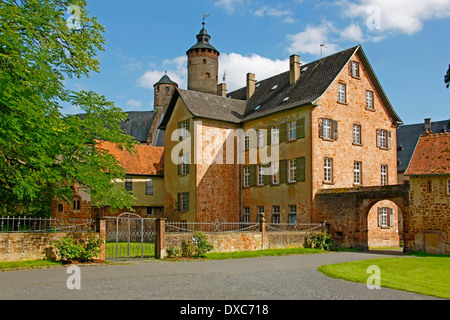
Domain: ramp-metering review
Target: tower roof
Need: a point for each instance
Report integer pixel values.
(165, 80)
(203, 41)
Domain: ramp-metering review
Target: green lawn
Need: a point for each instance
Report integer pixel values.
(28, 264)
(424, 274)
(261, 253)
(135, 249)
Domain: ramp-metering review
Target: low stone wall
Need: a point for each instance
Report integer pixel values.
(242, 241)
(30, 246)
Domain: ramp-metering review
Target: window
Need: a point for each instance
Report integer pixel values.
(275, 172)
(157, 89)
(260, 213)
(384, 139)
(384, 175)
(354, 69)
(76, 203)
(292, 218)
(385, 217)
(183, 201)
(276, 214)
(261, 139)
(167, 89)
(150, 211)
(328, 129)
(260, 175)
(183, 167)
(357, 172)
(292, 173)
(185, 129)
(342, 96)
(328, 168)
(357, 134)
(429, 186)
(369, 99)
(292, 130)
(448, 187)
(246, 141)
(60, 207)
(149, 186)
(208, 75)
(204, 61)
(275, 135)
(128, 184)
(246, 215)
(246, 176)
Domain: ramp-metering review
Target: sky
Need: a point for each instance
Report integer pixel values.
(407, 43)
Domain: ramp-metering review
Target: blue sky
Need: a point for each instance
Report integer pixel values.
(407, 43)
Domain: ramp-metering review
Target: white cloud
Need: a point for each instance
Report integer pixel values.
(310, 40)
(228, 5)
(175, 68)
(406, 16)
(352, 32)
(237, 66)
(274, 12)
(134, 103)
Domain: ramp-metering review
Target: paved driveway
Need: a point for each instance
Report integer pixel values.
(266, 278)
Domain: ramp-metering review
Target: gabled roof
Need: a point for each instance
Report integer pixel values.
(431, 156)
(147, 160)
(407, 137)
(275, 94)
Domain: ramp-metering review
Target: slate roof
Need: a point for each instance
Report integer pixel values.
(431, 155)
(165, 80)
(270, 94)
(147, 160)
(407, 137)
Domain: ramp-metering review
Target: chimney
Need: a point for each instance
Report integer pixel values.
(250, 84)
(222, 90)
(427, 124)
(294, 68)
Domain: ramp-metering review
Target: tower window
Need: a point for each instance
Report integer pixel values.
(204, 61)
(208, 75)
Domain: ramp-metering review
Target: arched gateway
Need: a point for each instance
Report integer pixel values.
(346, 211)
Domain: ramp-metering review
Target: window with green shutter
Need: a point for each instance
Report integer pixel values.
(301, 169)
(283, 132)
(283, 171)
(301, 128)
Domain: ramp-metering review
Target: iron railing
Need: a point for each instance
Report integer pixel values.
(40, 225)
(293, 227)
(210, 227)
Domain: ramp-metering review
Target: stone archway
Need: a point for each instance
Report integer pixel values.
(346, 210)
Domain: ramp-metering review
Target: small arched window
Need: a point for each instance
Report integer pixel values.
(76, 203)
(60, 207)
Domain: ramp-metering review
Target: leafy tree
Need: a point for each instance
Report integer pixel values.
(42, 151)
(447, 78)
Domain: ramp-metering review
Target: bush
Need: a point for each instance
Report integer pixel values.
(83, 250)
(173, 252)
(318, 241)
(197, 247)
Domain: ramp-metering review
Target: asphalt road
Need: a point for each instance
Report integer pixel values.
(266, 278)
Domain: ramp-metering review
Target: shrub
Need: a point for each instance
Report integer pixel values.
(197, 247)
(82, 250)
(173, 252)
(318, 241)
(187, 249)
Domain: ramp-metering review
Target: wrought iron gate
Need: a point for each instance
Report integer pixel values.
(129, 236)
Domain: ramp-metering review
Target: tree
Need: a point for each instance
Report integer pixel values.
(42, 151)
(447, 78)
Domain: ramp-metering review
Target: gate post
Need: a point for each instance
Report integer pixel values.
(101, 227)
(160, 246)
(262, 225)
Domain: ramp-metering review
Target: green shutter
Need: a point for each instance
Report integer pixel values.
(267, 178)
(252, 175)
(301, 169)
(179, 201)
(283, 132)
(187, 201)
(301, 128)
(283, 171)
(269, 135)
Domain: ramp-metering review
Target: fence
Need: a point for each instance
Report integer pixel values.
(45, 225)
(210, 227)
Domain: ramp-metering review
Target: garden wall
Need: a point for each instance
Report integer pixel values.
(31, 246)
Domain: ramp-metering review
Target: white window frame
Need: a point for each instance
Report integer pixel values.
(292, 130)
(276, 214)
(342, 93)
(149, 186)
(327, 128)
(246, 176)
(261, 140)
(448, 186)
(292, 170)
(184, 201)
(246, 215)
(384, 217)
(292, 213)
(184, 163)
(260, 175)
(275, 172)
(275, 134)
(184, 129)
(355, 69)
(357, 133)
(382, 138)
(328, 170)
(260, 211)
(246, 141)
(384, 175)
(369, 99)
(357, 166)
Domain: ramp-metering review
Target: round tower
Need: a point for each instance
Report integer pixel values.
(203, 64)
(163, 91)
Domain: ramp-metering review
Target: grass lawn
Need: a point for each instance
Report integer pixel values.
(424, 274)
(135, 249)
(28, 264)
(261, 253)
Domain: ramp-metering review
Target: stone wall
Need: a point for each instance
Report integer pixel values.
(30, 246)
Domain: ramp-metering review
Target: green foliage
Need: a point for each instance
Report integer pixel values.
(43, 152)
(197, 247)
(447, 78)
(173, 252)
(318, 240)
(82, 250)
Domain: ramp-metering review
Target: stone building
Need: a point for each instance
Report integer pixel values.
(429, 176)
(271, 146)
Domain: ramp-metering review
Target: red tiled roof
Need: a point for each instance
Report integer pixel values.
(147, 160)
(431, 156)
